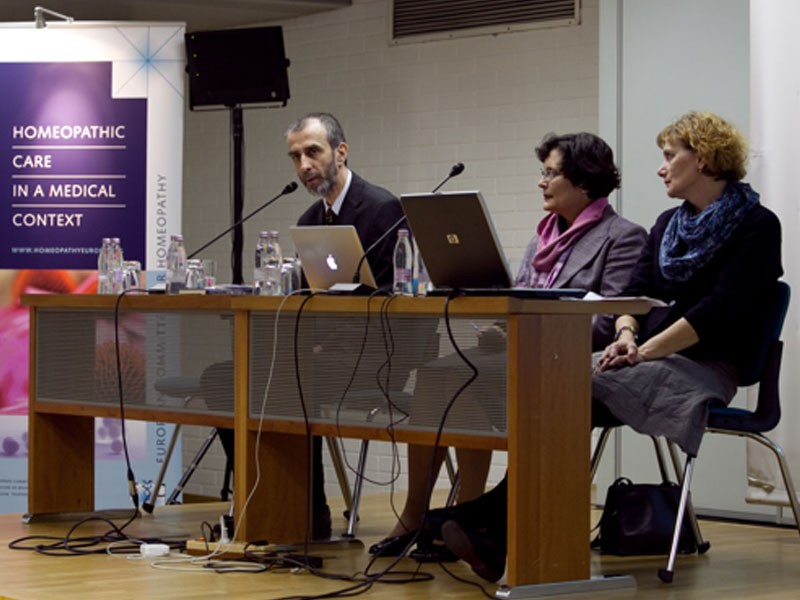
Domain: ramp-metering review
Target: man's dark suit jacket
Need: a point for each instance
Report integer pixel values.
(372, 210)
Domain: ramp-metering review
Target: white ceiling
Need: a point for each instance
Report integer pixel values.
(197, 14)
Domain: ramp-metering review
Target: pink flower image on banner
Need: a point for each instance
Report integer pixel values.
(14, 327)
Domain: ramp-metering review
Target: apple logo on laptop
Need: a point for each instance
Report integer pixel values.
(331, 261)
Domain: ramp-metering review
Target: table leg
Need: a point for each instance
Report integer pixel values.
(277, 510)
(548, 443)
(60, 463)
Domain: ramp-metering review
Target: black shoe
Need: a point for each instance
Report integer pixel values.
(392, 546)
(476, 515)
(482, 553)
(321, 527)
(434, 519)
(432, 553)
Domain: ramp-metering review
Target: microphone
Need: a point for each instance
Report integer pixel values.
(288, 189)
(357, 288)
(457, 169)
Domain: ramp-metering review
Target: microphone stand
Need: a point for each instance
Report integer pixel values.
(356, 287)
(288, 189)
(237, 128)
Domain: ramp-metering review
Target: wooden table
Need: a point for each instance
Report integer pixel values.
(548, 403)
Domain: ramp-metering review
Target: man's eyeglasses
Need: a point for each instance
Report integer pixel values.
(549, 174)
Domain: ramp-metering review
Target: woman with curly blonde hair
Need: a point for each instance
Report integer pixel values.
(718, 144)
(712, 259)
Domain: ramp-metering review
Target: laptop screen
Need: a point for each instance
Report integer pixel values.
(329, 255)
(457, 240)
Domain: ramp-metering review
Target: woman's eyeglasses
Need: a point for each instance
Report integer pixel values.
(549, 174)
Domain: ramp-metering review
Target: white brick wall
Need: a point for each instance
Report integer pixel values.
(409, 113)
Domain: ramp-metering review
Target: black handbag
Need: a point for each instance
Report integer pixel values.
(639, 519)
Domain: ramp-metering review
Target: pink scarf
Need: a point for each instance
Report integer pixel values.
(554, 247)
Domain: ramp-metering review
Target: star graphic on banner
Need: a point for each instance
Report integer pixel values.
(155, 61)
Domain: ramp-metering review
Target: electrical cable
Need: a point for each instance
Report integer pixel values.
(362, 581)
(120, 385)
(382, 383)
(388, 570)
(262, 416)
(198, 563)
(387, 574)
(72, 546)
(306, 424)
(467, 581)
(433, 473)
(360, 585)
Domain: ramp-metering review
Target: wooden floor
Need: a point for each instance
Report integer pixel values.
(744, 562)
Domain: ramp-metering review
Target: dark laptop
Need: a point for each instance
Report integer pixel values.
(459, 245)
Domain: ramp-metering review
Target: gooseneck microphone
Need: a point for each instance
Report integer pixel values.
(288, 189)
(357, 287)
(457, 169)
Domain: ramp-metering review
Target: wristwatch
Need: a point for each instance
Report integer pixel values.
(626, 328)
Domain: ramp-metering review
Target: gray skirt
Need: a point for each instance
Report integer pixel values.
(666, 397)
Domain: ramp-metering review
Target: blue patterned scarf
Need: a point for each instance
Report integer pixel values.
(691, 240)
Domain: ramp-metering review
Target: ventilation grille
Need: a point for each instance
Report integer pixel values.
(435, 19)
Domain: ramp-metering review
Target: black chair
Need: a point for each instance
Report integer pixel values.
(737, 421)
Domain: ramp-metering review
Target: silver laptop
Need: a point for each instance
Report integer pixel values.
(460, 248)
(330, 254)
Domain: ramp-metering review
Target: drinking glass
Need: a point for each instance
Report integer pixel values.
(210, 272)
(290, 275)
(131, 275)
(195, 278)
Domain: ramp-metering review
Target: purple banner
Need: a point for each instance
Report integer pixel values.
(73, 166)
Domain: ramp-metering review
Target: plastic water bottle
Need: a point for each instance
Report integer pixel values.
(258, 271)
(176, 264)
(268, 265)
(102, 266)
(403, 264)
(115, 267)
(422, 281)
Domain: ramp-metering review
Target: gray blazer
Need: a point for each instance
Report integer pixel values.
(601, 261)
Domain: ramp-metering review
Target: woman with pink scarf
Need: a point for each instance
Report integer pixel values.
(582, 243)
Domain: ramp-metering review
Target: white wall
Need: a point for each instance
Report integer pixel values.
(657, 61)
(409, 112)
(774, 101)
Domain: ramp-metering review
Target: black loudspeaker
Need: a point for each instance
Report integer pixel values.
(235, 67)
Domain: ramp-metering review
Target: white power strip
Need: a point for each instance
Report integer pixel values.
(153, 550)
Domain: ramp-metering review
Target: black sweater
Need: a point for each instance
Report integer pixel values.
(723, 299)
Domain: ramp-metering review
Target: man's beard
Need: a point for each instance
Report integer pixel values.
(327, 183)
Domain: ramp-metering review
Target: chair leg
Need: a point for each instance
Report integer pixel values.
(187, 474)
(151, 501)
(335, 452)
(455, 479)
(791, 491)
(598, 451)
(357, 486)
(702, 545)
(662, 463)
(787, 477)
(666, 575)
